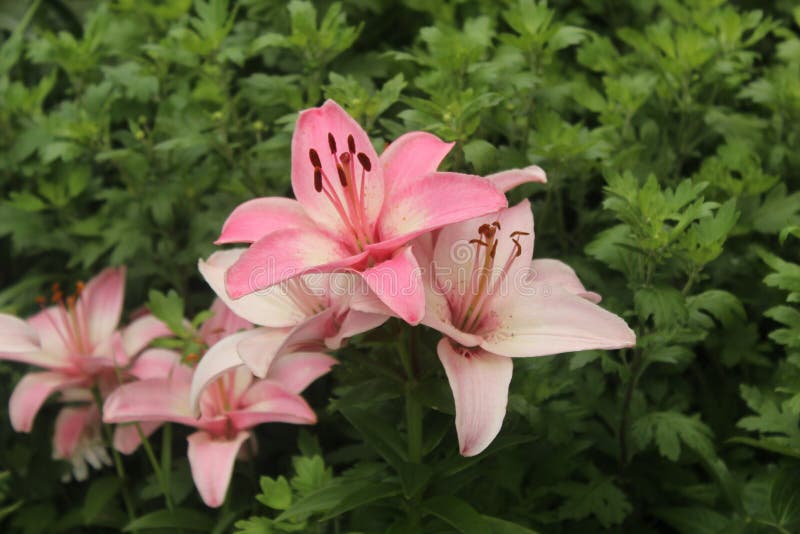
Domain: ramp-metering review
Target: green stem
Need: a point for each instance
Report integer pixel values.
(109, 442)
(151, 456)
(413, 407)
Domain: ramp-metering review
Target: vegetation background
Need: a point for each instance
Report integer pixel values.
(129, 129)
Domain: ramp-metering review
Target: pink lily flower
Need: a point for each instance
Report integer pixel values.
(228, 409)
(493, 304)
(356, 210)
(78, 344)
(309, 313)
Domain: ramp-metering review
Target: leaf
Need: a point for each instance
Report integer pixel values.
(275, 493)
(169, 308)
(501, 526)
(669, 430)
(99, 495)
(600, 498)
(784, 499)
(456, 513)
(722, 305)
(179, 518)
(665, 305)
(361, 497)
(380, 435)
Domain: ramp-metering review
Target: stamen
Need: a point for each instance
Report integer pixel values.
(41, 301)
(332, 143)
(478, 242)
(517, 233)
(365, 162)
(351, 144)
(494, 250)
(345, 159)
(318, 179)
(79, 287)
(342, 177)
(314, 157)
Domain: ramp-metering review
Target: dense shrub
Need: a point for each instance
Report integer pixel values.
(668, 130)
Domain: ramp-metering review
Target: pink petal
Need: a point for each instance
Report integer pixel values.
(411, 157)
(158, 363)
(268, 307)
(269, 402)
(296, 371)
(138, 335)
(258, 351)
(255, 218)
(285, 254)
(70, 425)
(30, 394)
(398, 283)
(354, 323)
(222, 322)
(103, 297)
(126, 436)
(434, 201)
(48, 323)
(17, 336)
(508, 180)
(560, 274)
(479, 381)
(439, 317)
(154, 399)
(211, 460)
(219, 359)
(311, 132)
(545, 319)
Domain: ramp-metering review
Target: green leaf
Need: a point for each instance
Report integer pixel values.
(168, 308)
(362, 496)
(179, 518)
(669, 430)
(275, 493)
(501, 526)
(456, 513)
(98, 497)
(784, 499)
(600, 498)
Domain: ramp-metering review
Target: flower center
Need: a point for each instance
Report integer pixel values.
(69, 319)
(348, 200)
(484, 280)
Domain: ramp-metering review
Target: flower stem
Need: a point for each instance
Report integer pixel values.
(156, 467)
(413, 407)
(109, 442)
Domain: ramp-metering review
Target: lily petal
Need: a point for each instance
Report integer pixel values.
(508, 180)
(354, 323)
(296, 371)
(285, 254)
(103, 296)
(17, 336)
(268, 307)
(158, 363)
(30, 394)
(398, 283)
(312, 131)
(411, 157)
(434, 201)
(269, 402)
(546, 319)
(211, 460)
(219, 359)
(137, 335)
(155, 399)
(48, 324)
(255, 218)
(479, 381)
(222, 322)
(70, 425)
(559, 273)
(127, 438)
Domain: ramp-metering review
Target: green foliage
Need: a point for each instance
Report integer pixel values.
(668, 130)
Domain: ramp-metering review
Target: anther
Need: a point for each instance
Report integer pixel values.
(496, 224)
(314, 157)
(365, 162)
(41, 301)
(487, 230)
(345, 159)
(79, 287)
(318, 179)
(477, 242)
(342, 176)
(332, 143)
(71, 302)
(351, 144)
(517, 249)
(515, 234)
(494, 250)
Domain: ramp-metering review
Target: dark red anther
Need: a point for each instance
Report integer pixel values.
(318, 179)
(496, 224)
(365, 162)
(342, 176)
(487, 230)
(351, 144)
(494, 250)
(517, 249)
(41, 301)
(477, 242)
(332, 143)
(515, 234)
(345, 159)
(314, 157)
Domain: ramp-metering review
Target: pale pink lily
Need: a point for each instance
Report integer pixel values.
(356, 210)
(229, 408)
(78, 344)
(309, 313)
(493, 304)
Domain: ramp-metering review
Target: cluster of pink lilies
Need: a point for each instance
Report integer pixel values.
(368, 237)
